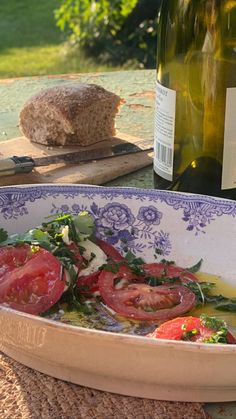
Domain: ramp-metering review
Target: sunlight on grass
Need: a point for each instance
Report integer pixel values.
(42, 60)
(31, 44)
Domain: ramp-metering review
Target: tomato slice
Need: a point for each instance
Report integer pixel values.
(30, 282)
(168, 270)
(140, 301)
(230, 338)
(88, 284)
(10, 260)
(186, 328)
(109, 250)
(176, 328)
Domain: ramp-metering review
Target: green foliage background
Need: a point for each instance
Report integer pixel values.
(41, 37)
(97, 27)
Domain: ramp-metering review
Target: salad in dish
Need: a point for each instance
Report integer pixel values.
(63, 271)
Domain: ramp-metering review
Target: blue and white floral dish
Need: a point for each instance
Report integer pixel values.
(184, 228)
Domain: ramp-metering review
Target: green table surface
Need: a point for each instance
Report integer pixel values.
(137, 88)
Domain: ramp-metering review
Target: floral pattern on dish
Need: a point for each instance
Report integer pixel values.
(197, 211)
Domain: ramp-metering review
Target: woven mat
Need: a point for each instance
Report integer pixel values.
(28, 394)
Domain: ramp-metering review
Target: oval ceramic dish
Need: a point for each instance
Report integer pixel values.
(185, 228)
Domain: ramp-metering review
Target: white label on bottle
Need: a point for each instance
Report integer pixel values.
(229, 156)
(164, 131)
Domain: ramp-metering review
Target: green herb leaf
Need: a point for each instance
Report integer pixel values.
(134, 263)
(227, 305)
(167, 262)
(131, 258)
(201, 290)
(84, 224)
(35, 237)
(154, 281)
(3, 235)
(189, 334)
(110, 267)
(195, 268)
(218, 326)
(212, 322)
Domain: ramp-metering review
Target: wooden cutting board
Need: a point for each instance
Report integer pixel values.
(94, 173)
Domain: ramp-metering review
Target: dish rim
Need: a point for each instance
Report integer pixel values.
(139, 340)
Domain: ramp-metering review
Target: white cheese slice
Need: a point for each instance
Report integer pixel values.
(96, 261)
(65, 235)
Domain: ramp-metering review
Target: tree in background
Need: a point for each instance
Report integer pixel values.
(116, 31)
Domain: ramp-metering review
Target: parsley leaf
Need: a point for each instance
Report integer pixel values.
(154, 281)
(218, 326)
(110, 267)
(195, 268)
(3, 235)
(134, 263)
(227, 305)
(212, 322)
(84, 224)
(201, 290)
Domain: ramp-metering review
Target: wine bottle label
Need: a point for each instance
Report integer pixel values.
(164, 131)
(229, 155)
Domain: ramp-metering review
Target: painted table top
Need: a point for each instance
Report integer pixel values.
(137, 88)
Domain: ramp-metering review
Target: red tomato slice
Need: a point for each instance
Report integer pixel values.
(230, 338)
(175, 329)
(30, 282)
(10, 260)
(140, 301)
(186, 328)
(171, 271)
(109, 250)
(88, 284)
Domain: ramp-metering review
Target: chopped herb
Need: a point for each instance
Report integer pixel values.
(195, 268)
(155, 281)
(159, 252)
(59, 218)
(212, 322)
(201, 290)
(218, 326)
(189, 334)
(167, 262)
(3, 235)
(110, 267)
(218, 337)
(92, 256)
(84, 224)
(109, 233)
(227, 305)
(81, 248)
(74, 302)
(134, 263)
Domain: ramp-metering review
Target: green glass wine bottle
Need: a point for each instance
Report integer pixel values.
(195, 112)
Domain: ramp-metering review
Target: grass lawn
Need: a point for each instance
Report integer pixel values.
(31, 44)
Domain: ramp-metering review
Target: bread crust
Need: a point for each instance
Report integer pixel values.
(70, 114)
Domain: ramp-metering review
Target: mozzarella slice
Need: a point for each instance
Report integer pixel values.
(96, 261)
(65, 235)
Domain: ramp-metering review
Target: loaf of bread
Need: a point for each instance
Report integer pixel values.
(70, 114)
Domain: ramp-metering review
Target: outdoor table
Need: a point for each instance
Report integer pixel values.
(25, 393)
